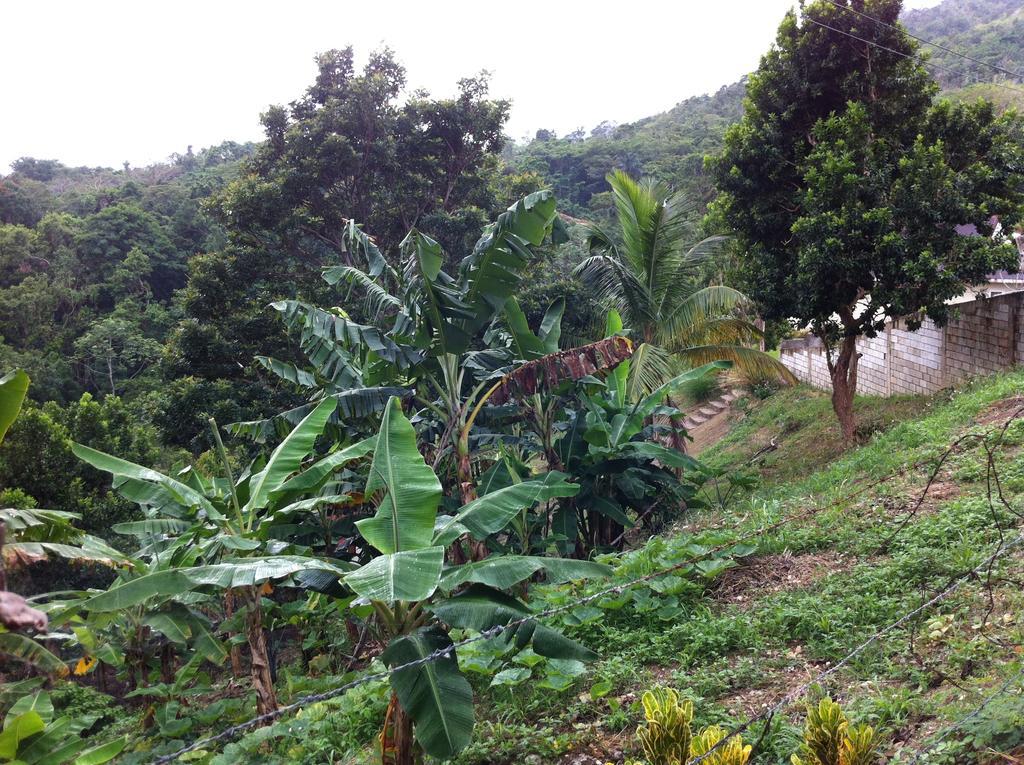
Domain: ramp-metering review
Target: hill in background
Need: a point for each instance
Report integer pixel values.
(671, 146)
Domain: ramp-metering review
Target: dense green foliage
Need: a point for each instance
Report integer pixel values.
(342, 400)
(848, 190)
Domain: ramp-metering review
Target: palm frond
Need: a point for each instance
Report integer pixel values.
(650, 366)
(752, 363)
(728, 330)
(698, 308)
(615, 282)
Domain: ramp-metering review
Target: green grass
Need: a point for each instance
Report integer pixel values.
(733, 657)
(730, 658)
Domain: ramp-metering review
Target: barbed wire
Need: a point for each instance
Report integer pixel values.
(944, 733)
(792, 696)
(233, 731)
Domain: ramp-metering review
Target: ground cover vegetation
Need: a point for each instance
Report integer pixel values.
(366, 439)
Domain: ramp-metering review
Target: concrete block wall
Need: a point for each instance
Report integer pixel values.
(984, 336)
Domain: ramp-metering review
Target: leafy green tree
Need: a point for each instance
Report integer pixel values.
(23, 201)
(845, 186)
(38, 447)
(107, 237)
(115, 350)
(349, 149)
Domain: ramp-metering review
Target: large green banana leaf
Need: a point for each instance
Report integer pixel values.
(119, 468)
(29, 651)
(530, 346)
(172, 582)
(151, 527)
(434, 296)
(322, 331)
(13, 388)
(480, 608)
(314, 477)
(492, 512)
(505, 571)
(435, 693)
(288, 456)
(351, 404)
(410, 490)
(494, 269)
(411, 575)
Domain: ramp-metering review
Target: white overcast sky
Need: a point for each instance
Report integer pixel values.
(98, 82)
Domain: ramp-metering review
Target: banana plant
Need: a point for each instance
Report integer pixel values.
(33, 736)
(604, 433)
(221, 526)
(612, 444)
(427, 326)
(131, 639)
(417, 598)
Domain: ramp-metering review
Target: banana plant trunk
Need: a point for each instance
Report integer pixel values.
(405, 750)
(467, 491)
(259, 656)
(236, 650)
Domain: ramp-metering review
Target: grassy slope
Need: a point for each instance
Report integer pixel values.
(812, 592)
(738, 641)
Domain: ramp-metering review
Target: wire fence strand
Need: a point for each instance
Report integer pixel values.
(797, 693)
(233, 731)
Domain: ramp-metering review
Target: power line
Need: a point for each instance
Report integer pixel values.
(1016, 75)
(901, 53)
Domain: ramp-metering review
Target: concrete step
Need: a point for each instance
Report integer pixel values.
(708, 411)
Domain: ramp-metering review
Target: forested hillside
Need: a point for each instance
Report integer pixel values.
(372, 442)
(671, 146)
(986, 30)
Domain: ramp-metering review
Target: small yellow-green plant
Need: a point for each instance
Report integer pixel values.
(665, 736)
(829, 739)
(732, 752)
(667, 740)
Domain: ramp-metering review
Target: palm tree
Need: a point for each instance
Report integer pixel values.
(650, 273)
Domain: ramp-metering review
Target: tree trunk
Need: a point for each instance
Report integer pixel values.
(259, 657)
(467, 491)
(405, 743)
(236, 650)
(397, 743)
(676, 426)
(167, 663)
(844, 386)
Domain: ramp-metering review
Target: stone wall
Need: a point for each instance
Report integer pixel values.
(984, 336)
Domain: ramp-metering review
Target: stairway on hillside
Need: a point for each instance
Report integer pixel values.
(707, 423)
(700, 414)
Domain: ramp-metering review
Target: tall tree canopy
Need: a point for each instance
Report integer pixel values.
(845, 184)
(348, 149)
